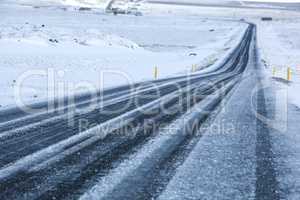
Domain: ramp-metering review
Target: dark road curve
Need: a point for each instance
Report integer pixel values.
(72, 171)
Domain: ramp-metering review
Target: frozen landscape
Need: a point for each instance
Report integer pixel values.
(126, 48)
(175, 99)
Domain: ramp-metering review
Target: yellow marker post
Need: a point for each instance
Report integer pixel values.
(289, 74)
(155, 72)
(274, 71)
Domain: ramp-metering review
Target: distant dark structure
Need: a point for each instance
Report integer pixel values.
(84, 9)
(266, 19)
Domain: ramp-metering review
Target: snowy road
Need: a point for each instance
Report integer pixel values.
(126, 142)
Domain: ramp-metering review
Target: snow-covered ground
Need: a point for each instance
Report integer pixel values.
(278, 40)
(87, 3)
(279, 48)
(76, 46)
(49, 52)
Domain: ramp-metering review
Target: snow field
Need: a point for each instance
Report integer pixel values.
(47, 53)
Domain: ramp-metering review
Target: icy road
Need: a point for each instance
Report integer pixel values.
(212, 124)
(134, 152)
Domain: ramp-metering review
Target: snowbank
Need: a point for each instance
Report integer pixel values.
(47, 53)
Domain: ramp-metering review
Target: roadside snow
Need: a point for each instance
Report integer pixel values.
(279, 47)
(84, 3)
(278, 40)
(279, 44)
(47, 52)
(77, 46)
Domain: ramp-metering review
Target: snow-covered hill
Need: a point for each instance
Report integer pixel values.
(78, 46)
(91, 3)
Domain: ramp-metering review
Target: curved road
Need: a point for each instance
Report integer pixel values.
(62, 153)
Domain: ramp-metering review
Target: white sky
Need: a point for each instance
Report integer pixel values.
(281, 1)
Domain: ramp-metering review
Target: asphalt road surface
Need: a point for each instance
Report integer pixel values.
(120, 148)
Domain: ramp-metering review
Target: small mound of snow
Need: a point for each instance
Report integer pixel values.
(90, 3)
(42, 35)
(77, 3)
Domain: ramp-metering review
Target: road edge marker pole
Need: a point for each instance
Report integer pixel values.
(155, 72)
(274, 71)
(289, 74)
